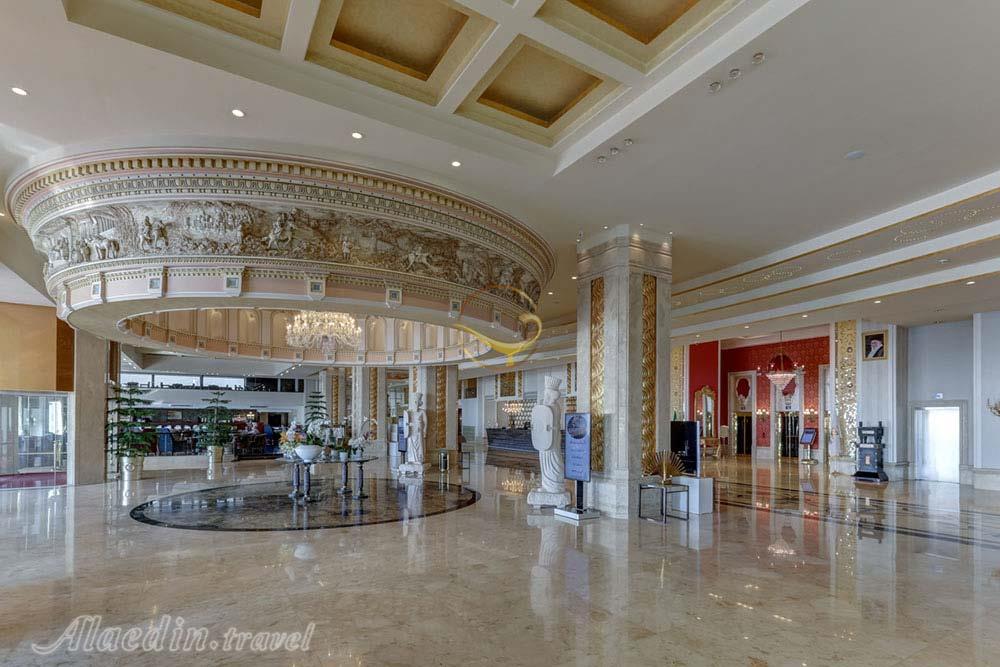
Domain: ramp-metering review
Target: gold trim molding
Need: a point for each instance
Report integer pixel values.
(648, 423)
(597, 374)
(846, 379)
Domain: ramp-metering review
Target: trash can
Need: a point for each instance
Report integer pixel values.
(443, 459)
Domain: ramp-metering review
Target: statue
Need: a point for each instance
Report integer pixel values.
(345, 248)
(416, 429)
(418, 256)
(280, 235)
(545, 437)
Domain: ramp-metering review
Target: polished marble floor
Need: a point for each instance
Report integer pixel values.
(797, 567)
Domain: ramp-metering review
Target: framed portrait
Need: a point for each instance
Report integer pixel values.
(874, 345)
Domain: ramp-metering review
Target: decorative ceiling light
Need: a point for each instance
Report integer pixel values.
(601, 159)
(970, 282)
(758, 58)
(19, 91)
(456, 163)
(357, 135)
(325, 331)
(715, 86)
(238, 113)
(735, 73)
(780, 375)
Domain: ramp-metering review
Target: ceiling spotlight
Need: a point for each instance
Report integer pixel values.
(735, 73)
(605, 226)
(601, 159)
(572, 277)
(805, 315)
(627, 142)
(943, 260)
(697, 335)
(877, 301)
(19, 91)
(746, 326)
(2, 214)
(758, 58)
(238, 113)
(715, 86)
(357, 135)
(456, 163)
(854, 155)
(551, 293)
(970, 282)
(614, 150)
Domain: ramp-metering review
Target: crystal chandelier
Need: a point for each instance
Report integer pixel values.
(780, 376)
(326, 331)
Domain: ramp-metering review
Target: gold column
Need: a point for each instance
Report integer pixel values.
(440, 404)
(648, 422)
(846, 338)
(677, 381)
(597, 374)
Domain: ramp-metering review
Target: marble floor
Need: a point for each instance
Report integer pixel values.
(796, 567)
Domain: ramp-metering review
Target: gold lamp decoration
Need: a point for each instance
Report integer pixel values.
(665, 464)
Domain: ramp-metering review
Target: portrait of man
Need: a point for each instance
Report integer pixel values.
(874, 345)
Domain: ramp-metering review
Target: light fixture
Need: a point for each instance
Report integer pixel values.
(642, 224)
(601, 159)
(758, 58)
(780, 376)
(970, 282)
(943, 260)
(357, 135)
(238, 113)
(805, 315)
(311, 329)
(746, 326)
(572, 277)
(877, 301)
(605, 226)
(697, 335)
(627, 143)
(456, 163)
(19, 91)
(715, 86)
(2, 214)
(613, 151)
(551, 293)
(854, 155)
(735, 73)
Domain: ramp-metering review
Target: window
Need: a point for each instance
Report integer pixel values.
(211, 382)
(141, 379)
(178, 381)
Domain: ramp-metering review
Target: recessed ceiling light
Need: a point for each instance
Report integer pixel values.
(2, 214)
(19, 91)
(805, 315)
(605, 226)
(943, 260)
(697, 335)
(746, 326)
(551, 293)
(970, 282)
(854, 155)
(571, 277)
(357, 135)
(238, 113)
(878, 300)
(456, 163)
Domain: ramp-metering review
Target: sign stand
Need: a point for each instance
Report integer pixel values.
(577, 465)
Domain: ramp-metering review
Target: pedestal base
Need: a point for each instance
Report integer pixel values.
(540, 498)
(699, 497)
(575, 515)
(842, 465)
(414, 468)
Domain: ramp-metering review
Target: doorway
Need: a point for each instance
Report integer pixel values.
(744, 433)
(788, 433)
(937, 436)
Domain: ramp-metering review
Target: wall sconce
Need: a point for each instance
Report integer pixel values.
(810, 412)
(762, 412)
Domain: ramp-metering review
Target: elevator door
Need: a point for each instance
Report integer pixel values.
(788, 433)
(937, 434)
(744, 434)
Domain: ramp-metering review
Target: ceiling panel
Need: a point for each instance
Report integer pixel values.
(261, 21)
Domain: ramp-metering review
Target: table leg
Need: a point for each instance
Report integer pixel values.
(295, 482)
(344, 488)
(361, 482)
(307, 483)
(663, 503)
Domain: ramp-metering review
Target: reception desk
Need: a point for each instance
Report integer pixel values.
(513, 440)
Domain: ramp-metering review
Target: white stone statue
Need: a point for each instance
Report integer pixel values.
(545, 437)
(416, 429)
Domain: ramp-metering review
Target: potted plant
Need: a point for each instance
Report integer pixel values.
(126, 438)
(217, 429)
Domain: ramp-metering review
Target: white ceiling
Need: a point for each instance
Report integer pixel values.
(13, 289)
(736, 176)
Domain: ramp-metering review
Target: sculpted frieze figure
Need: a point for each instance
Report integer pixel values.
(282, 229)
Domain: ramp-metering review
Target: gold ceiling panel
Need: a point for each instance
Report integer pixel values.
(412, 47)
(261, 21)
(640, 32)
(536, 93)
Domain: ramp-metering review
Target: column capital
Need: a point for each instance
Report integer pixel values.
(630, 246)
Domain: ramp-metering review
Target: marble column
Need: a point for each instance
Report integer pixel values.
(382, 417)
(86, 462)
(623, 358)
(359, 398)
(339, 395)
(327, 382)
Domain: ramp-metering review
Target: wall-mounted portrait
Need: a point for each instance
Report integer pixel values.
(874, 345)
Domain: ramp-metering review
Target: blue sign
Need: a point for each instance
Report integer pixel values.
(401, 436)
(578, 446)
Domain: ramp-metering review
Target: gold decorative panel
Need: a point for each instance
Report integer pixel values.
(508, 384)
(597, 374)
(411, 47)
(677, 380)
(642, 20)
(258, 21)
(373, 396)
(440, 405)
(846, 383)
(335, 397)
(648, 423)
(538, 87)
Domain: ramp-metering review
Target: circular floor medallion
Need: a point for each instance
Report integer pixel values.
(264, 507)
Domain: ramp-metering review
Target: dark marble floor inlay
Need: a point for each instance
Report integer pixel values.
(258, 507)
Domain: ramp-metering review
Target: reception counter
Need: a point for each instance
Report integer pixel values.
(513, 439)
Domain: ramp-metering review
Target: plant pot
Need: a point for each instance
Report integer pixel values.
(215, 453)
(343, 455)
(131, 468)
(308, 453)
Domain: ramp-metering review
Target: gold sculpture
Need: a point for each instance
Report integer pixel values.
(648, 411)
(665, 464)
(597, 374)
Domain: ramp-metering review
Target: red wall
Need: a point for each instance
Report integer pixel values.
(810, 352)
(703, 365)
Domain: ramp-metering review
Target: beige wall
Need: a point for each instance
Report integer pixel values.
(33, 349)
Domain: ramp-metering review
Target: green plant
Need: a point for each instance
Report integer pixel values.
(125, 422)
(316, 408)
(217, 429)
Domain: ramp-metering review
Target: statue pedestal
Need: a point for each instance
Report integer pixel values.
(415, 468)
(539, 498)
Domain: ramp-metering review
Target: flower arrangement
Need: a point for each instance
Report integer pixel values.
(292, 438)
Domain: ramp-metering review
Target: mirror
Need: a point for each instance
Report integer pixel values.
(704, 401)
